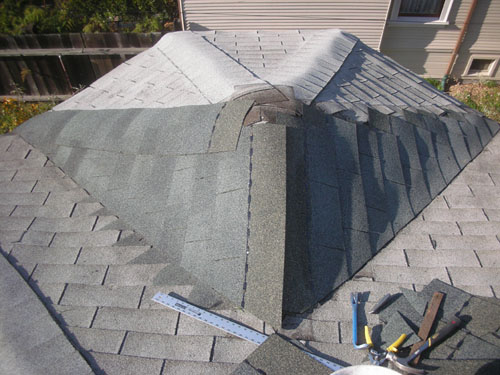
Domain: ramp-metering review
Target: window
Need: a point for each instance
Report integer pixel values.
(421, 11)
(481, 66)
(421, 8)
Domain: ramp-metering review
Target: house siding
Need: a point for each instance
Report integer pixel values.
(366, 22)
(426, 49)
(483, 36)
(423, 48)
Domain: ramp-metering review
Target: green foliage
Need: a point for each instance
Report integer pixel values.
(14, 113)
(434, 82)
(491, 84)
(23, 16)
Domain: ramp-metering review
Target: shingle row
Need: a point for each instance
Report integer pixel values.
(363, 182)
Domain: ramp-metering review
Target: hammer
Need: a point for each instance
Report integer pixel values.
(403, 363)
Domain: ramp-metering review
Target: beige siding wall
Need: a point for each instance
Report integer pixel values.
(426, 49)
(483, 36)
(364, 18)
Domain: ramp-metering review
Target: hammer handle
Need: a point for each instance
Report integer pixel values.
(437, 337)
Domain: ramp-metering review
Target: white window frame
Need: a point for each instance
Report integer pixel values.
(491, 70)
(395, 19)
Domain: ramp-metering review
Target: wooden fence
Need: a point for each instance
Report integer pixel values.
(56, 65)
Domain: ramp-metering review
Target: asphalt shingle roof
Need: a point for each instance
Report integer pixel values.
(268, 200)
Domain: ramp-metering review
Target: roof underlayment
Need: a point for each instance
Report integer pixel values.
(271, 166)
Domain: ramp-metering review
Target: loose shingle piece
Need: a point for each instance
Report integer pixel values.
(277, 356)
(475, 344)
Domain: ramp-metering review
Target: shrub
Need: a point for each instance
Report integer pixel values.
(15, 112)
(31, 16)
(434, 82)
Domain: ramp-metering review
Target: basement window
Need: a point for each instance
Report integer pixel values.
(483, 66)
(413, 12)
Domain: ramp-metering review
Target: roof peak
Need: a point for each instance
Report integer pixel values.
(190, 68)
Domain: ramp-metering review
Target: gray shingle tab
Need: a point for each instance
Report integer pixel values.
(31, 341)
(266, 241)
(278, 356)
(406, 141)
(472, 138)
(227, 126)
(314, 195)
(346, 144)
(390, 160)
(326, 226)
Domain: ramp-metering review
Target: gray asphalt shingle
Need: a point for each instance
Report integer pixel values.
(277, 215)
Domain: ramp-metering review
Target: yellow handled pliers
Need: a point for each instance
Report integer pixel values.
(379, 357)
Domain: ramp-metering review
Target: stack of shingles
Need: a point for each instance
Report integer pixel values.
(475, 348)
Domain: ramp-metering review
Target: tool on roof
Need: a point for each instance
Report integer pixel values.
(378, 357)
(380, 304)
(425, 328)
(354, 305)
(404, 363)
(226, 325)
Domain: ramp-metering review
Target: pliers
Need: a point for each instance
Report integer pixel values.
(378, 357)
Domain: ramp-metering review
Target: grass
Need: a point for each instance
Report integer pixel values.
(434, 82)
(15, 112)
(482, 96)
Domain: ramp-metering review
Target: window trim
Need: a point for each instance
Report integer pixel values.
(402, 20)
(491, 70)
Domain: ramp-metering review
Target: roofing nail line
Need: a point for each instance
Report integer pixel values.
(15, 173)
(248, 220)
(164, 363)
(93, 317)
(62, 294)
(11, 212)
(485, 214)
(78, 255)
(72, 210)
(33, 188)
(177, 324)
(46, 199)
(32, 272)
(493, 291)
(95, 223)
(123, 343)
(307, 191)
(477, 257)
(51, 240)
(239, 63)
(28, 154)
(182, 73)
(212, 350)
(215, 124)
(142, 295)
(449, 275)
(106, 274)
(406, 258)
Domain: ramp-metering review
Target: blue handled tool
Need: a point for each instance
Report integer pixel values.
(354, 305)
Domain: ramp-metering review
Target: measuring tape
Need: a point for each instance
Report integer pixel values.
(225, 324)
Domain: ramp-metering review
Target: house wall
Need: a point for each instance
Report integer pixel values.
(483, 37)
(426, 49)
(366, 21)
